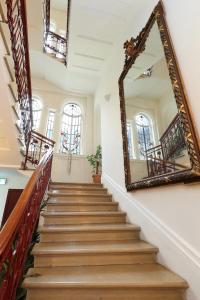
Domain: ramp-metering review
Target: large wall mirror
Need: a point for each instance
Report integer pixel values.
(159, 141)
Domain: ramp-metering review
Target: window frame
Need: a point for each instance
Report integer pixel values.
(80, 125)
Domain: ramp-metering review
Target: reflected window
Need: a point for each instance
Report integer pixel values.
(144, 133)
(71, 129)
(37, 111)
(50, 124)
(130, 139)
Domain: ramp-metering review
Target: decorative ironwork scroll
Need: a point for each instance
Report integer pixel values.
(17, 22)
(38, 145)
(133, 49)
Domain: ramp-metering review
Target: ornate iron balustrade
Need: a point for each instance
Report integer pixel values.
(160, 159)
(17, 22)
(16, 235)
(38, 145)
(173, 140)
(54, 44)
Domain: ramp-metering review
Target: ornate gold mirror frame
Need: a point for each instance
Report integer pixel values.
(133, 49)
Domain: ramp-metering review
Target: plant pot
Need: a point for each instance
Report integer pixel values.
(96, 178)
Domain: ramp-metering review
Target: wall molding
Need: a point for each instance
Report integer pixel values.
(182, 245)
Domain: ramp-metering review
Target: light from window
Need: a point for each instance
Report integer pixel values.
(71, 129)
(37, 110)
(145, 134)
(130, 140)
(50, 124)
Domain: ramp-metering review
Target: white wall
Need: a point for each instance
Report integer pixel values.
(169, 216)
(81, 171)
(15, 180)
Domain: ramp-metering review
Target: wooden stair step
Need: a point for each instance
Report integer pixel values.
(81, 206)
(63, 189)
(54, 218)
(80, 198)
(116, 282)
(75, 184)
(96, 232)
(96, 253)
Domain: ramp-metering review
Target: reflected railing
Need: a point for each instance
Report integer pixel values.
(161, 159)
(55, 45)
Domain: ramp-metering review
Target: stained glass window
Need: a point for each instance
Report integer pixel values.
(144, 134)
(50, 124)
(71, 129)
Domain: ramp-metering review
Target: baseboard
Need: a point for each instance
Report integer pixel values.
(171, 236)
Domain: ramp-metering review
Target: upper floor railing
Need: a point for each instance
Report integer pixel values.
(17, 22)
(37, 146)
(16, 235)
(55, 44)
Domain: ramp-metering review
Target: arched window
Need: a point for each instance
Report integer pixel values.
(144, 133)
(37, 110)
(71, 129)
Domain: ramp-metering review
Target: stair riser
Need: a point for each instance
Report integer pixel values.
(81, 198)
(105, 294)
(90, 236)
(83, 208)
(84, 220)
(93, 259)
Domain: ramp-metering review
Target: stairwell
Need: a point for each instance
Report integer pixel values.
(88, 251)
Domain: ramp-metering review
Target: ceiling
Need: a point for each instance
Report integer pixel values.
(95, 27)
(159, 83)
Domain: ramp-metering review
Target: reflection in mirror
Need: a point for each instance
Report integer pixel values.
(155, 135)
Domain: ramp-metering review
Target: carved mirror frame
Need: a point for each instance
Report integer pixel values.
(133, 49)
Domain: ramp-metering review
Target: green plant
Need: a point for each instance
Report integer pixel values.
(95, 160)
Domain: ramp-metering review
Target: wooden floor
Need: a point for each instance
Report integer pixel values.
(88, 251)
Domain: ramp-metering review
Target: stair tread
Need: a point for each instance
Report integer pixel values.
(95, 247)
(92, 213)
(68, 203)
(57, 194)
(75, 183)
(77, 188)
(141, 276)
(83, 227)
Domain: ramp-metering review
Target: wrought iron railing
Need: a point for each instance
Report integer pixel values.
(17, 22)
(38, 145)
(55, 44)
(173, 140)
(16, 235)
(161, 159)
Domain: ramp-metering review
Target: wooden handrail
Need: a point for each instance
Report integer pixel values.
(16, 234)
(43, 137)
(167, 162)
(11, 226)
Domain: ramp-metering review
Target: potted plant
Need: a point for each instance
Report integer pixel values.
(95, 162)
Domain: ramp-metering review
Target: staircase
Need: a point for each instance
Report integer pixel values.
(88, 251)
